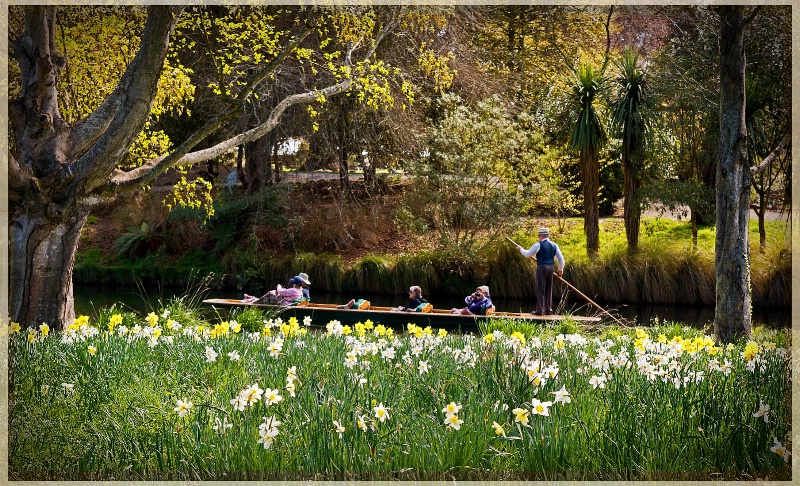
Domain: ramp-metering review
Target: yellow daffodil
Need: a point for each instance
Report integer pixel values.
(498, 429)
(488, 337)
(152, 319)
(442, 333)
(521, 415)
(15, 327)
(44, 329)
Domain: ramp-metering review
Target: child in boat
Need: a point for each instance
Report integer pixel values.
(360, 304)
(477, 303)
(415, 300)
(280, 296)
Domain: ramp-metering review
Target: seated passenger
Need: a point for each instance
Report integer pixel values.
(477, 303)
(280, 296)
(415, 301)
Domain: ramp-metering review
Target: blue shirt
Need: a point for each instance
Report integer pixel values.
(535, 249)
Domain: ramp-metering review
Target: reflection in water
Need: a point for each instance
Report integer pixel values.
(89, 300)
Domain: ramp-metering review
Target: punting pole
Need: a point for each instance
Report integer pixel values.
(576, 290)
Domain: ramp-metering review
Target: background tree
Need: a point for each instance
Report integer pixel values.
(629, 123)
(587, 137)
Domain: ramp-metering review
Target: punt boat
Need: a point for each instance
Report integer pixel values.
(321, 314)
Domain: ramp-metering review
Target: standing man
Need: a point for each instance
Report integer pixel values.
(546, 253)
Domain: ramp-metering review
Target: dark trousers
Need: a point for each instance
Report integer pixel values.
(544, 289)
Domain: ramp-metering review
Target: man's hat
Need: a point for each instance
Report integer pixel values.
(544, 231)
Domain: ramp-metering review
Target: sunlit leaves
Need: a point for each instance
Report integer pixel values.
(194, 194)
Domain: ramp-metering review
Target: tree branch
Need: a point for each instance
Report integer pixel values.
(150, 170)
(275, 63)
(751, 16)
(756, 169)
(608, 39)
(106, 134)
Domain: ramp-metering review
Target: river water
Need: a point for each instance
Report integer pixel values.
(89, 300)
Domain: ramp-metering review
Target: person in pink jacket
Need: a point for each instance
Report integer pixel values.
(281, 295)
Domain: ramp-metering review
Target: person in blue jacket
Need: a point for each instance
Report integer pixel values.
(546, 253)
(477, 303)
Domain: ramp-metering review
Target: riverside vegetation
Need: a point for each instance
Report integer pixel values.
(256, 247)
(175, 395)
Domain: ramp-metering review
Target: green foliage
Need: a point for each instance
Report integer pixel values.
(129, 243)
(464, 187)
(586, 127)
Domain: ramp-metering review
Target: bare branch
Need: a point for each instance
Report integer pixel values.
(756, 169)
(608, 39)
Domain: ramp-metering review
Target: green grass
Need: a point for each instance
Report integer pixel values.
(119, 420)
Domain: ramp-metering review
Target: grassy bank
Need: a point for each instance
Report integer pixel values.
(668, 269)
(173, 396)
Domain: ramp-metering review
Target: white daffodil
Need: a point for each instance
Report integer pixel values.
(451, 409)
(562, 396)
(211, 355)
(183, 407)
(779, 449)
(597, 381)
(271, 397)
(234, 355)
(381, 412)
(339, 428)
(540, 408)
(423, 367)
(453, 421)
(763, 411)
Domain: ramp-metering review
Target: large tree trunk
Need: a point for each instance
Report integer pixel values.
(56, 167)
(632, 208)
(732, 251)
(590, 178)
(42, 258)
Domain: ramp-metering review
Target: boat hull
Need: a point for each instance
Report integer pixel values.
(321, 314)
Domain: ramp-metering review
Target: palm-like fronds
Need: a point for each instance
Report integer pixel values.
(627, 120)
(587, 132)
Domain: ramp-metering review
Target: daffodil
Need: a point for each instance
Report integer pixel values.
(423, 367)
(442, 333)
(779, 449)
(234, 355)
(307, 321)
(763, 411)
(453, 421)
(451, 409)
(152, 319)
(381, 412)
(498, 429)
(221, 425)
(562, 396)
(339, 428)
(211, 355)
(597, 381)
(92, 350)
(540, 408)
(271, 397)
(15, 327)
(252, 393)
(361, 423)
(183, 407)
(44, 329)
(521, 415)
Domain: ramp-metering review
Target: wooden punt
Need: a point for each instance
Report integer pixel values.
(321, 314)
